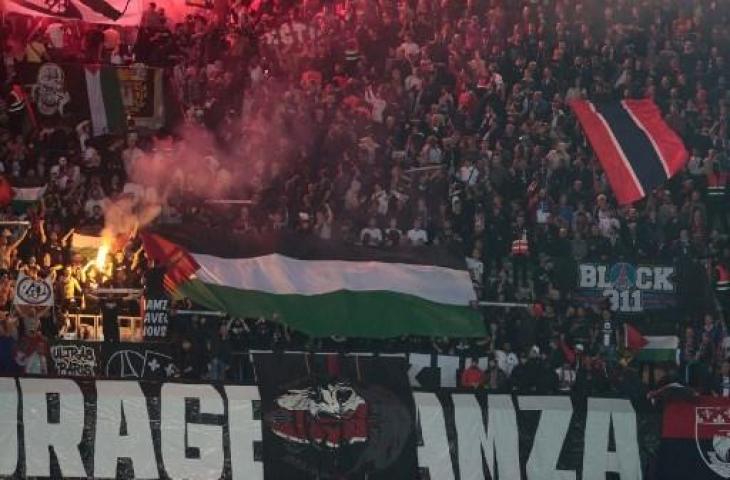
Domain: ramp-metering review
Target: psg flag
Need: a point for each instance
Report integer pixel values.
(637, 149)
(695, 440)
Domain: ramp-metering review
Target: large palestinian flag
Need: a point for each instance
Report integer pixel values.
(321, 288)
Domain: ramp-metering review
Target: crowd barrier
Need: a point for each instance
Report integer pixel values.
(88, 326)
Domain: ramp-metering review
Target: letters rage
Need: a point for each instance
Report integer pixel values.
(181, 433)
(628, 288)
(156, 318)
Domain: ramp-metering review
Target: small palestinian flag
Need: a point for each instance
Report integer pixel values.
(695, 440)
(86, 243)
(27, 193)
(103, 89)
(659, 348)
(321, 288)
(651, 348)
(633, 338)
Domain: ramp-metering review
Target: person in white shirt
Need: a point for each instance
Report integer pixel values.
(566, 377)
(409, 48)
(468, 173)
(696, 164)
(431, 153)
(377, 104)
(96, 199)
(56, 33)
(507, 360)
(371, 235)
(417, 235)
(380, 199)
(414, 82)
(475, 266)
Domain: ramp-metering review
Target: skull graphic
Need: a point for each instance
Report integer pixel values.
(49, 92)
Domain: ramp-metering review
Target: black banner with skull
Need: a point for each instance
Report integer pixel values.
(58, 92)
(335, 416)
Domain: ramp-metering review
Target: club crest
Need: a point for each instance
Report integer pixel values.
(712, 434)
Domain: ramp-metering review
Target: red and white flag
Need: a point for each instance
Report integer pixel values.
(636, 148)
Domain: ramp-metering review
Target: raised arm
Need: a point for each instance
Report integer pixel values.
(88, 265)
(20, 239)
(42, 229)
(135, 258)
(65, 238)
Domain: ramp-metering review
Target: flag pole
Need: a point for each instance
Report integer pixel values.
(207, 313)
(502, 304)
(113, 291)
(15, 222)
(230, 202)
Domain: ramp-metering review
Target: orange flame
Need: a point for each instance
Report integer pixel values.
(101, 255)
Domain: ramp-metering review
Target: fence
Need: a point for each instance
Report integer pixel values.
(88, 326)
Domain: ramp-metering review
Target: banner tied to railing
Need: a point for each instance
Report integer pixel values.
(628, 288)
(352, 418)
(149, 360)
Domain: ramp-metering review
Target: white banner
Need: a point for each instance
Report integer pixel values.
(118, 12)
(33, 292)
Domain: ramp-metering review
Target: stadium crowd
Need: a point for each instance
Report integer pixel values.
(388, 123)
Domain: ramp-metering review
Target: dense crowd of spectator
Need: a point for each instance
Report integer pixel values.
(389, 123)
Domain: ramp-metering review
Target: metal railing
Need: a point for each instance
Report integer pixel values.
(88, 326)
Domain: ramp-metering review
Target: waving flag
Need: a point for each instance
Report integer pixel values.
(636, 148)
(318, 287)
(27, 192)
(633, 338)
(119, 12)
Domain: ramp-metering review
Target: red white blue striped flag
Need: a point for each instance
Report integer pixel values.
(637, 149)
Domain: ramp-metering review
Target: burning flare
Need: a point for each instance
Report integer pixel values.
(101, 255)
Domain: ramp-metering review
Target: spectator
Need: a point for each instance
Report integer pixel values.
(32, 353)
(417, 235)
(472, 376)
(410, 127)
(7, 350)
(219, 352)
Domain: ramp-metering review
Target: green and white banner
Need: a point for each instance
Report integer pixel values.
(321, 288)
